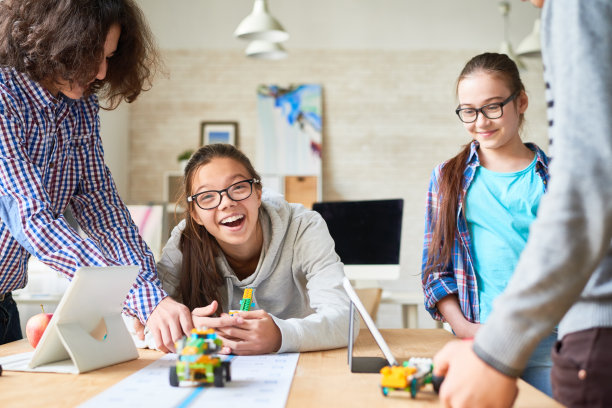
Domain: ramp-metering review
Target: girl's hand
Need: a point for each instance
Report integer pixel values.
(257, 334)
(201, 317)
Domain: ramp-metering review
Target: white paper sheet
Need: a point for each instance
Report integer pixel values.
(19, 362)
(257, 382)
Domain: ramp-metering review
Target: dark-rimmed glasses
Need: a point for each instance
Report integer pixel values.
(207, 200)
(490, 111)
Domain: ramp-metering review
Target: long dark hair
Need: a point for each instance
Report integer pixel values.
(54, 40)
(451, 177)
(201, 283)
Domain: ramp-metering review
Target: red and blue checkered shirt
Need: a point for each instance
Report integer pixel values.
(51, 158)
(459, 277)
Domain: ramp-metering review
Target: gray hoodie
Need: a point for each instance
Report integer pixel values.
(298, 279)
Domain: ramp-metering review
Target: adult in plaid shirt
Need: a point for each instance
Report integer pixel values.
(56, 57)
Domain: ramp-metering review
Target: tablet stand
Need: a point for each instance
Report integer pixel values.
(87, 331)
(88, 354)
(361, 364)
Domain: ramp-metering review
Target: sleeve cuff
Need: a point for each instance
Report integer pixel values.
(496, 364)
(290, 336)
(144, 299)
(505, 347)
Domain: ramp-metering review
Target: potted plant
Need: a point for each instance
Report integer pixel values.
(184, 157)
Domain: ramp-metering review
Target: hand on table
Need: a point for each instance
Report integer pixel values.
(257, 334)
(469, 381)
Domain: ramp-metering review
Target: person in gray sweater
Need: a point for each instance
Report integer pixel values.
(236, 236)
(564, 275)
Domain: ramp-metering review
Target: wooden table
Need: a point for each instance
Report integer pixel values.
(322, 378)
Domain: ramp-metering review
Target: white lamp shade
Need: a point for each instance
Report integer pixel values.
(506, 48)
(531, 46)
(265, 50)
(260, 25)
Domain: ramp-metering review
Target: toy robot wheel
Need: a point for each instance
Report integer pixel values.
(219, 378)
(414, 387)
(173, 376)
(385, 391)
(226, 367)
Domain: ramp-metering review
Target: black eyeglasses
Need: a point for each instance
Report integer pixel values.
(207, 200)
(490, 111)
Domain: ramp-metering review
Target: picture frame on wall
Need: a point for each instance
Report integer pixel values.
(219, 132)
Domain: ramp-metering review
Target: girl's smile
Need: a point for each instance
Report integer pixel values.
(233, 222)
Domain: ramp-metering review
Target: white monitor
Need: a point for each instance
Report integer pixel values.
(367, 235)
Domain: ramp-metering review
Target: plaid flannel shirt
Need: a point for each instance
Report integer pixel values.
(459, 277)
(51, 157)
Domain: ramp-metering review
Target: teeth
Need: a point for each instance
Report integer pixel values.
(232, 219)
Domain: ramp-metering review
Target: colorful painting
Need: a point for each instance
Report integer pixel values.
(290, 130)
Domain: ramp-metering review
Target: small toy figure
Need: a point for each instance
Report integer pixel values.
(246, 302)
(411, 376)
(198, 362)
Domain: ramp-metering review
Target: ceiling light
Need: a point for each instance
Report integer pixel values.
(260, 25)
(265, 50)
(531, 46)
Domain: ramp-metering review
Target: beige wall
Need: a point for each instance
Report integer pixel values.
(388, 120)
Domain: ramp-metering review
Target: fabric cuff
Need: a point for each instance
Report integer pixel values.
(504, 347)
(290, 335)
(145, 299)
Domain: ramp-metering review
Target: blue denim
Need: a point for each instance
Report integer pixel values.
(10, 327)
(537, 372)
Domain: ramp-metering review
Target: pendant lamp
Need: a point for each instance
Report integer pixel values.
(531, 46)
(265, 50)
(260, 25)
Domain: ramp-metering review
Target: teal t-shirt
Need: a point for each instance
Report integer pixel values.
(500, 207)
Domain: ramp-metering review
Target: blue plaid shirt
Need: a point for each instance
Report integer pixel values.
(459, 276)
(51, 158)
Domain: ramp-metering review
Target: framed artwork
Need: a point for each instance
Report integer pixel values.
(219, 132)
(290, 127)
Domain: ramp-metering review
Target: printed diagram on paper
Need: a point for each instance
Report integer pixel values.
(257, 381)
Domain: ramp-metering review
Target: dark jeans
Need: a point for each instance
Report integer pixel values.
(582, 369)
(10, 327)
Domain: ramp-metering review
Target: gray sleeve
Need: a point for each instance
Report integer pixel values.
(573, 230)
(328, 326)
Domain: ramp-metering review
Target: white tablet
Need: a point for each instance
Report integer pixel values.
(373, 363)
(92, 303)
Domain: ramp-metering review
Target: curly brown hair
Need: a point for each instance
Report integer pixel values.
(53, 40)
